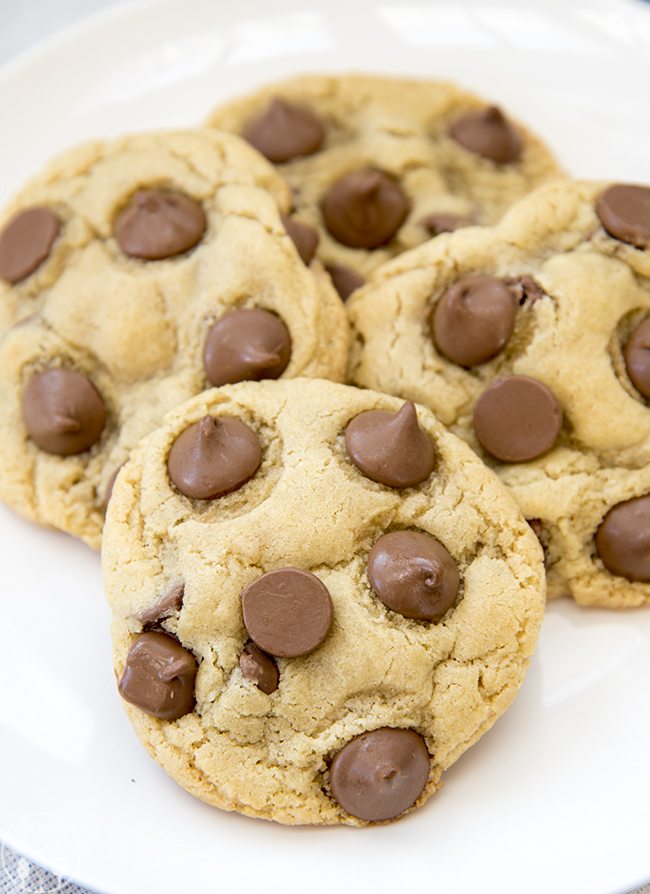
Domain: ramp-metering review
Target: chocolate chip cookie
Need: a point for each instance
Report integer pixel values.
(532, 341)
(379, 165)
(320, 599)
(170, 271)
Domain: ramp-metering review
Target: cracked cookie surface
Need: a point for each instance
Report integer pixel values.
(161, 236)
(579, 298)
(265, 748)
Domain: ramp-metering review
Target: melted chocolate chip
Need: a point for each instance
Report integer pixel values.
(26, 241)
(165, 607)
(260, 668)
(623, 539)
(413, 574)
(158, 224)
(380, 774)
(488, 133)
(284, 131)
(63, 412)
(517, 419)
(344, 279)
(303, 236)
(246, 344)
(287, 612)
(213, 457)
(159, 676)
(526, 289)
(364, 209)
(443, 222)
(637, 357)
(474, 319)
(390, 448)
(624, 211)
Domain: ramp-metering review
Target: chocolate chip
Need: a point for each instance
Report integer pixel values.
(159, 676)
(246, 344)
(390, 448)
(364, 209)
(380, 774)
(213, 457)
(110, 484)
(284, 131)
(304, 237)
(260, 668)
(474, 319)
(158, 224)
(287, 612)
(623, 539)
(443, 222)
(517, 419)
(344, 279)
(537, 527)
(165, 607)
(526, 290)
(26, 241)
(488, 133)
(637, 357)
(624, 211)
(63, 412)
(413, 574)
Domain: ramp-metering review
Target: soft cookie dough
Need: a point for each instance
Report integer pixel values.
(531, 341)
(171, 271)
(378, 165)
(315, 645)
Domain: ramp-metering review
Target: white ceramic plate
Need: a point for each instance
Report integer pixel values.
(557, 796)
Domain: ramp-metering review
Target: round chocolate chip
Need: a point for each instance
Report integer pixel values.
(213, 457)
(474, 319)
(26, 241)
(488, 133)
(63, 412)
(623, 539)
(158, 224)
(287, 612)
(260, 668)
(249, 343)
(304, 237)
(159, 676)
(624, 211)
(344, 279)
(443, 222)
(637, 357)
(517, 419)
(390, 448)
(284, 131)
(413, 574)
(380, 774)
(364, 209)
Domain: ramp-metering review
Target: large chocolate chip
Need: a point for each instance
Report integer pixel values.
(260, 668)
(443, 222)
(159, 676)
(517, 419)
(624, 211)
(474, 319)
(623, 539)
(304, 237)
(287, 612)
(413, 574)
(165, 607)
(344, 279)
(158, 224)
(390, 448)
(380, 774)
(284, 131)
(26, 241)
(488, 133)
(364, 209)
(248, 343)
(213, 457)
(63, 412)
(637, 357)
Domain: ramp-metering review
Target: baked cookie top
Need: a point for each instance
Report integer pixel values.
(530, 340)
(172, 271)
(378, 165)
(320, 643)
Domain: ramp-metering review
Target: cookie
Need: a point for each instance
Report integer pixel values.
(172, 271)
(320, 642)
(379, 165)
(530, 340)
